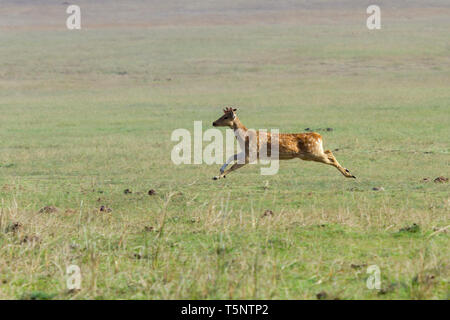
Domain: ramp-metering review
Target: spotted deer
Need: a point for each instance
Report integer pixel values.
(305, 146)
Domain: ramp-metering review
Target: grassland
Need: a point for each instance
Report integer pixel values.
(86, 114)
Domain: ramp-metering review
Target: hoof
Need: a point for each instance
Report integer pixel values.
(215, 178)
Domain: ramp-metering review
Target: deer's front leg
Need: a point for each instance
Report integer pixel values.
(233, 167)
(222, 169)
(230, 160)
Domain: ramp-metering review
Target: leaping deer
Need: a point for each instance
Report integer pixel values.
(306, 146)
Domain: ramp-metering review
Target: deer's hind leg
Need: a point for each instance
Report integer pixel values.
(311, 149)
(328, 158)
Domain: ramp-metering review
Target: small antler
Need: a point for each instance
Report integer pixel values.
(228, 109)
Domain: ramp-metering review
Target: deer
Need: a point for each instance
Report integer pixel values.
(305, 146)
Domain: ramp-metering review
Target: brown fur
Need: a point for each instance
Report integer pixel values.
(305, 146)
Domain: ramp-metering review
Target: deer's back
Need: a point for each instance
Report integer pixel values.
(291, 145)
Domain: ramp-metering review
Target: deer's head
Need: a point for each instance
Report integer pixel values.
(227, 119)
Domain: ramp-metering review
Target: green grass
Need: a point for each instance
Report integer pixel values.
(85, 115)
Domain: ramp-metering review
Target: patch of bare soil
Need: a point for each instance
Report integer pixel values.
(358, 266)
(30, 239)
(48, 209)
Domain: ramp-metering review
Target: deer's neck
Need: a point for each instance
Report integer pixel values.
(237, 125)
(240, 131)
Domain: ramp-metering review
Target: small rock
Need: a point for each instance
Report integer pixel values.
(426, 180)
(378, 189)
(423, 278)
(441, 179)
(151, 192)
(74, 246)
(388, 289)
(444, 230)
(430, 277)
(267, 213)
(73, 291)
(330, 129)
(148, 228)
(322, 295)
(105, 209)
(412, 228)
(127, 191)
(13, 227)
(137, 256)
